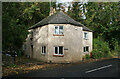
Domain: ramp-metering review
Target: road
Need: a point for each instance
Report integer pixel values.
(104, 68)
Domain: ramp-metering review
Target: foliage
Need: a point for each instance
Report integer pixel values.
(105, 17)
(101, 49)
(75, 12)
(87, 56)
(101, 17)
(116, 51)
(17, 18)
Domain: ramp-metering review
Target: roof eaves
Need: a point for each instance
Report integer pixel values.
(38, 24)
(86, 29)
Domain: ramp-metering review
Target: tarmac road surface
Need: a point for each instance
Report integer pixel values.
(104, 68)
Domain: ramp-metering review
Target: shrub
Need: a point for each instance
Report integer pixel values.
(87, 56)
(116, 51)
(101, 49)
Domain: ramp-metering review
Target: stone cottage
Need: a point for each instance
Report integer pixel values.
(58, 38)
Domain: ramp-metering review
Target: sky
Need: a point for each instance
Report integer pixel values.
(67, 4)
(62, 1)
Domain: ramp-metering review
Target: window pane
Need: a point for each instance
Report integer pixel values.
(86, 35)
(56, 30)
(56, 50)
(61, 29)
(44, 49)
(60, 50)
(87, 49)
(84, 49)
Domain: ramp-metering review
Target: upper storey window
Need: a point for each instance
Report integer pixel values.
(85, 35)
(58, 30)
(31, 38)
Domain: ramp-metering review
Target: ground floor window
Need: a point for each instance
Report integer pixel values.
(86, 49)
(43, 49)
(85, 35)
(58, 50)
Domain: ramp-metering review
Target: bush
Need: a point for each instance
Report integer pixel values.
(116, 51)
(101, 49)
(87, 56)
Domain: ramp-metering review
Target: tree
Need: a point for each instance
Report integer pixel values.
(102, 18)
(17, 18)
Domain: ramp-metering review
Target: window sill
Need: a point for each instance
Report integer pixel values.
(57, 35)
(43, 53)
(58, 55)
(86, 39)
(86, 52)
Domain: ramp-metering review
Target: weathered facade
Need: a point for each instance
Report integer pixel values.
(60, 41)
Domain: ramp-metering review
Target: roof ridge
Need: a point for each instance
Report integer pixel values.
(64, 17)
(52, 17)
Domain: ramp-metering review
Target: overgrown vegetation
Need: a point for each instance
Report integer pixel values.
(87, 56)
(101, 49)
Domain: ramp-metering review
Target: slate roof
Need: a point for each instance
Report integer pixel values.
(59, 18)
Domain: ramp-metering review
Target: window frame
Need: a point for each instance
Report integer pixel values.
(58, 53)
(31, 37)
(86, 36)
(56, 30)
(25, 46)
(85, 48)
(31, 34)
(60, 32)
(43, 49)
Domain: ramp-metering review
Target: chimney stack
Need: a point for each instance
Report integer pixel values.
(52, 11)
